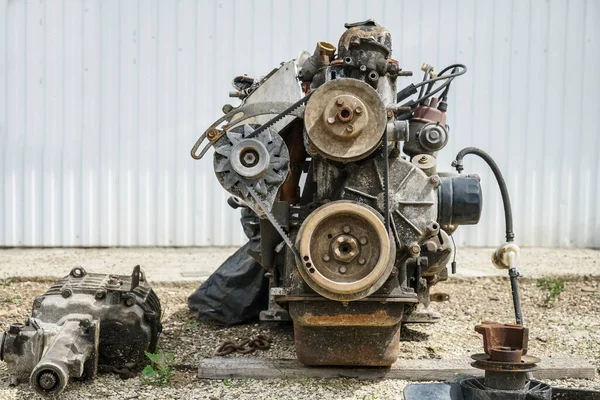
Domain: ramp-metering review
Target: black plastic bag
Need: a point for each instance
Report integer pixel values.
(238, 290)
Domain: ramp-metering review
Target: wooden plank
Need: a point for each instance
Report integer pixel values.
(411, 370)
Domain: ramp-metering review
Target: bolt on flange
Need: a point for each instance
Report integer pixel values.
(345, 247)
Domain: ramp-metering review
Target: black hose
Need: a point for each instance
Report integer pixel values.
(427, 95)
(441, 75)
(427, 71)
(510, 236)
(458, 164)
(458, 70)
(514, 289)
(444, 94)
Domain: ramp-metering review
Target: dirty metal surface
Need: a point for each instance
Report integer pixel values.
(345, 249)
(504, 342)
(413, 200)
(359, 333)
(344, 120)
(83, 324)
(504, 361)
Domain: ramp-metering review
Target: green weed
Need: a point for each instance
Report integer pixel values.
(158, 372)
(553, 289)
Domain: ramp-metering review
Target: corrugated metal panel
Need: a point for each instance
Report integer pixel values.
(101, 100)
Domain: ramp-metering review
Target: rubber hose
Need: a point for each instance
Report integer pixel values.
(510, 236)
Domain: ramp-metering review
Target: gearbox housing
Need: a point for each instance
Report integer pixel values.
(83, 324)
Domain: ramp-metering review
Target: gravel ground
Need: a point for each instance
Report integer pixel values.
(570, 328)
(167, 264)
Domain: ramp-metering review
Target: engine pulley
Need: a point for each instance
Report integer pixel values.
(261, 163)
(344, 120)
(346, 251)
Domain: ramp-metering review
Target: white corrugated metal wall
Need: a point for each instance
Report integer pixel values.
(101, 100)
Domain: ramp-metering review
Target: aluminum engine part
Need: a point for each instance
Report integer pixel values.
(344, 120)
(261, 163)
(83, 324)
(412, 197)
(346, 251)
(280, 84)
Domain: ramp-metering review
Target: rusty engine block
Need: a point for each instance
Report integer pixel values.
(341, 167)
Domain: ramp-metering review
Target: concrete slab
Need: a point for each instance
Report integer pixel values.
(197, 263)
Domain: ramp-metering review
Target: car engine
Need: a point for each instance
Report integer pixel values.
(341, 167)
(83, 324)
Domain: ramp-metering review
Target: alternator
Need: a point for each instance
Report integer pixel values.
(83, 324)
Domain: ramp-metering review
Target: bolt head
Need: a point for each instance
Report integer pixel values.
(331, 120)
(100, 294)
(326, 257)
(362, 261)
(249, 158)
(358, 110)
(211, 134)
(345, 248)
(415, 249)
(390, 114)
(363, 240)
(342, 270)
(66, 293)
(339, 102)
(346, 229)
(435, 180)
